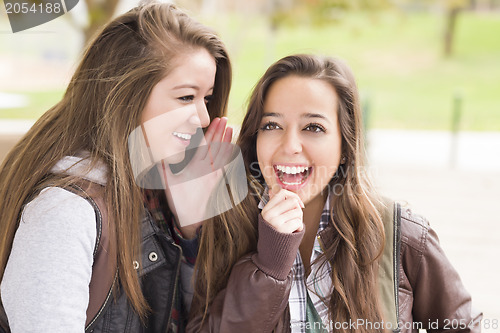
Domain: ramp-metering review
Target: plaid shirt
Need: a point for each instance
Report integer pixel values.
(155, 202)
(318, 284)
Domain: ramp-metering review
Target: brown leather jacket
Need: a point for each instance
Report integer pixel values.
(430, 291)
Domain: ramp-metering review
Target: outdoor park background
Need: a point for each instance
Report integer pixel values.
(432, 117)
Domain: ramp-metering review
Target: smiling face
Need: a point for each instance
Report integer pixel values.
(177, 106)
(299, 140)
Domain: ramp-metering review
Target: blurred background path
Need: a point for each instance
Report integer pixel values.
(460, 201)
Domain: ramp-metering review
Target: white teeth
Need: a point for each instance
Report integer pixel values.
(182, 135)
(287, 183)
(291, 170)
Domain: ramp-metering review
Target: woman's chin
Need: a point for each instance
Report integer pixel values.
(177, 158)
(169, 157)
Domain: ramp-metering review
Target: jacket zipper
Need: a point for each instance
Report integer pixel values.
(395, 260)
(175, 285)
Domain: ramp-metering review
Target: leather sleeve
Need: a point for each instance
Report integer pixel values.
(440, 301)
(256, 295)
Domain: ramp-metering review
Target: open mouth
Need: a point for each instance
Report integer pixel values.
(292, 175)
(182, 136)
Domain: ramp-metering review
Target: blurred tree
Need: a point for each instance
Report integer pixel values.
(99, 12)
(314, 12)
(452, 9)
(320, 12)
(485, 5)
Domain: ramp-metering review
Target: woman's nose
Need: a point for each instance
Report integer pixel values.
(291, 143)
(201, 118)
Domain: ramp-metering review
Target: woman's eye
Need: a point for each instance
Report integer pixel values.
(208, 98)
(186, 99)
(270, 126)
(315, 128)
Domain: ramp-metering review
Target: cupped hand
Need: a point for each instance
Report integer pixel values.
(188, 192)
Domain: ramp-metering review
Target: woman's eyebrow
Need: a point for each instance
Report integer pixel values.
(272, 114)
(190, 86)
(315, 115)
(307, 115)
(187, 85)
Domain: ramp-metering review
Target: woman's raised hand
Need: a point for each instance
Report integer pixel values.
(216, 150)
(284, 211)
(188, 192)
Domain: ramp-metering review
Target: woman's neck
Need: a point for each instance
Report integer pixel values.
(312, 216)
(313, 210)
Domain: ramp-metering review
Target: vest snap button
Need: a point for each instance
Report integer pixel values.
(136, 264)
(153, 256)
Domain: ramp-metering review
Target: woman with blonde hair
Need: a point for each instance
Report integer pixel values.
(314, 248)
(84, 246)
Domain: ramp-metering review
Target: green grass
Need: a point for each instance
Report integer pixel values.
(38, 103)
(397, 59)
(398, 62)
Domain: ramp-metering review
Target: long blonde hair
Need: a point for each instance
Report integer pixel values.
(100, 108)
(358, 239)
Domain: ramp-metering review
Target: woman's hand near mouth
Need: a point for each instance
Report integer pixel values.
(284, 211)
(188, 192)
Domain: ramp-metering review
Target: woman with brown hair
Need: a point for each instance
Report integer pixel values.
(84, 246)
(314, 248)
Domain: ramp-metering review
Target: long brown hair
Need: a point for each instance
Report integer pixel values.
(359, 236)
(100, 108)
